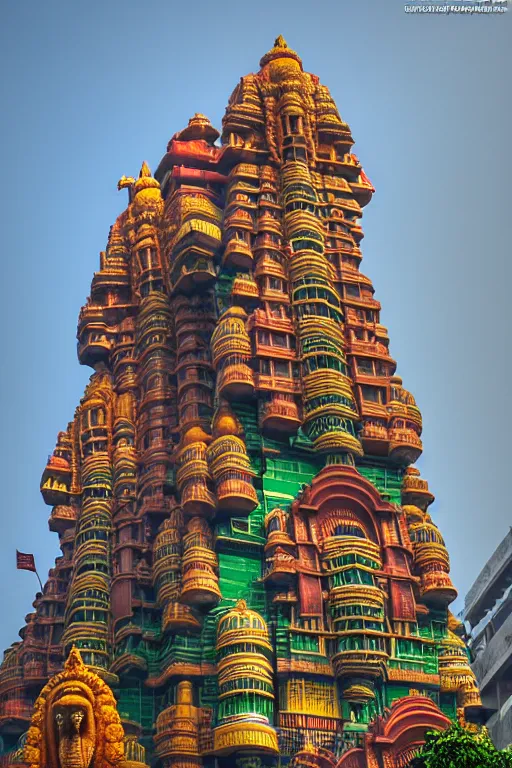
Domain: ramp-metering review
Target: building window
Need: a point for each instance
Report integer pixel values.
(275, 283)
(373, 394)
(352, 290)
(282, 368)
(294, 123)
(265, 367)
(365, 366)
(240, 526)
(279, 340)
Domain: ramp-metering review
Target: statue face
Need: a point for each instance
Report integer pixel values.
(70, 720)
(77, 715)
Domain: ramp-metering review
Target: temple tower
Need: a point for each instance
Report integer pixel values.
(248, 557)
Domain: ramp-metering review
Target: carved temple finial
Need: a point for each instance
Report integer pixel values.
(199, 127)
(146, 181)
(74, 664)
(145, 171)
(281, 51)
(241, 606)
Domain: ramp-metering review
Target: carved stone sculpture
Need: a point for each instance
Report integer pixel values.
(75, 722)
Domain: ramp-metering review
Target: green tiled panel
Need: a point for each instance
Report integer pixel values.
(388, 481)
(240, 579)
(448, 704)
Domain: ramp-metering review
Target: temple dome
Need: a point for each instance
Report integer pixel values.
(280, 51)
(241, 618)
(199, 127)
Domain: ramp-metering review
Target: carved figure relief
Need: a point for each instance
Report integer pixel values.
(75, 722)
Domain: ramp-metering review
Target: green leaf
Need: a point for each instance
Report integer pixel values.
(459, 748)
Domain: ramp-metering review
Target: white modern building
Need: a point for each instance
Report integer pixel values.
(488, 616)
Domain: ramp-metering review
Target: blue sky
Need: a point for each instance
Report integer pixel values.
(90, 90)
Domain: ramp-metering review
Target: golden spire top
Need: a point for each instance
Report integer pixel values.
(145, 180)
(280, 51)
(74, 661)
(145, 171)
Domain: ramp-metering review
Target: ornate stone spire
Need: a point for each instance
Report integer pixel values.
(280, 51)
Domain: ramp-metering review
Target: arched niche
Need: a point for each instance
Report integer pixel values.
(401, 732)
(354, 758)
(338, 518)
(339, 487)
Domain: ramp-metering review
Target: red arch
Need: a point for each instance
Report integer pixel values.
(354, 758)
(406, 724)
(409, 714)
(338, 483)
(403, 727)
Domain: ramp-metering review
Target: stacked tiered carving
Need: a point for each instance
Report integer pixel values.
(455, 670)
(244, 438)
(230, 466)
(87, 609)
(430, 553)
(351, 560)
(200, 582)
(177, 731)
(167, 576)
(231, 353)
(246, 687)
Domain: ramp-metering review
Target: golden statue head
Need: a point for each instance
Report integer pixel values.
(75, 722)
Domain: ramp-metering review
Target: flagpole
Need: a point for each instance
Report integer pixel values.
(39, 580)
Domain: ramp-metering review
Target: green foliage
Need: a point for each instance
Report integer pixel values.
(459, 748)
